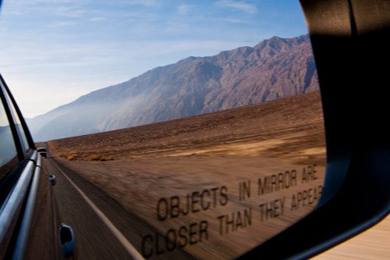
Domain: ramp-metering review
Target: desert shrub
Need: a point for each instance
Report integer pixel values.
(107, 158)
(69, 157)
(94, 157)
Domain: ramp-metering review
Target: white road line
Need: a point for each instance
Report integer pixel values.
(122, 239)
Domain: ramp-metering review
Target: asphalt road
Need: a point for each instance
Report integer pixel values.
(102, 228)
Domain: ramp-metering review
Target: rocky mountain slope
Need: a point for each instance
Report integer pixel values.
(275, 68)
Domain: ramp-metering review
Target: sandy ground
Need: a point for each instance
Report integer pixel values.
(200, 181)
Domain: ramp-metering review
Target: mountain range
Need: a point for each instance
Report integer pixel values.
(274, 68)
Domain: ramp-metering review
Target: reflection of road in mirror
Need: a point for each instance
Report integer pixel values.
(211, 186)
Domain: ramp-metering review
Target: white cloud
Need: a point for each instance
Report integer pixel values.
(97, 19)
(146, 3)
(235, 21)
(238, 5)
(70, 11)
(184, 9)
(63, 24)
(36, 2)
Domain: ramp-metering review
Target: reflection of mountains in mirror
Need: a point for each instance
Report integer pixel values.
(275, 68)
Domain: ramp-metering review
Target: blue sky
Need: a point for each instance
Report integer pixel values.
(54, 51)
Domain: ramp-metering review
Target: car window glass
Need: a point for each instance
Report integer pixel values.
(8, 154)
(19, 127)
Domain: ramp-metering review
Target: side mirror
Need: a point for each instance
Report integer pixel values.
(42, 151)
(67, 240)
(52, 179)
(356, 192)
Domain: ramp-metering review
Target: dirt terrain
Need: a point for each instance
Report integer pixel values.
(215, 185)
(288, 128)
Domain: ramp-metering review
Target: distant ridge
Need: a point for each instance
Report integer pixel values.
(274, 68)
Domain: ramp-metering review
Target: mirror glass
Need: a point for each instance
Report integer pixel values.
(213, 141)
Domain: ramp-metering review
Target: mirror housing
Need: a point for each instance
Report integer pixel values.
(52, 179)
(67, 243)
(42, 151)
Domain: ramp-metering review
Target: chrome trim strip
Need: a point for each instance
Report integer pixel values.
(21, 243)
(39, 160)
(34, 156)
(11, 208)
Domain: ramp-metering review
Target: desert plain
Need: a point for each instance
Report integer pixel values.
(215, 185)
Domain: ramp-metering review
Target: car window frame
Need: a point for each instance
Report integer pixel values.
(15, 132)
(23, 155)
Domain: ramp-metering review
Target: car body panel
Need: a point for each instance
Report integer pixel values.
(29, 222)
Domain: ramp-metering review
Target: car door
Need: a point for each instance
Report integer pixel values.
(29, 225)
